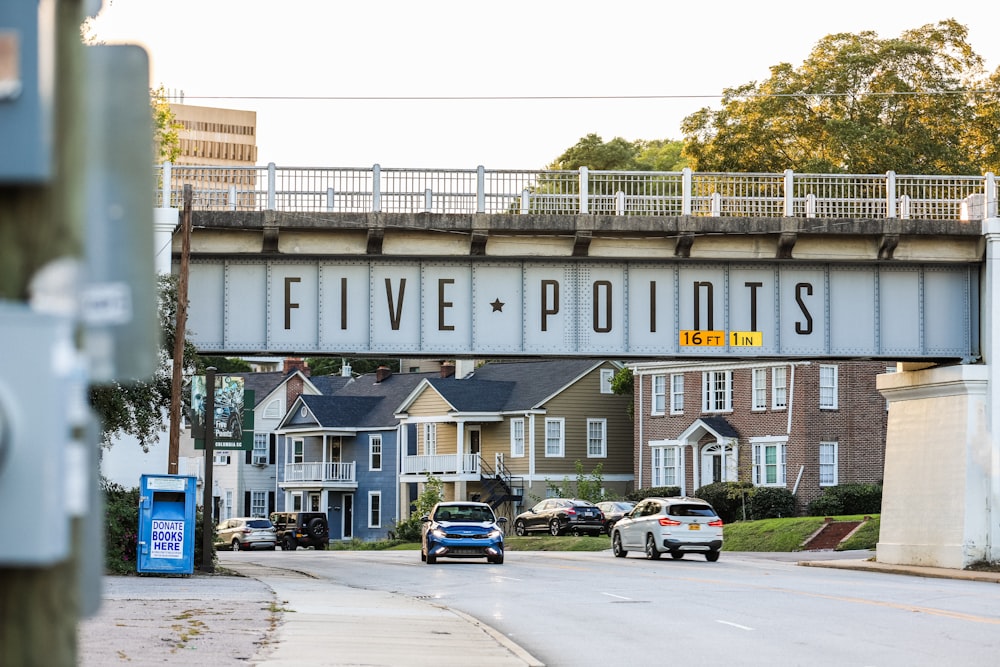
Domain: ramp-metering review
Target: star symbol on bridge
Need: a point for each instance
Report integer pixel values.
(497, 306)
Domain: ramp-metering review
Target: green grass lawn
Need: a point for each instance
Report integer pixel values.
(765, 535)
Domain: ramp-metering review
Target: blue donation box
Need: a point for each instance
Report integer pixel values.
(166, 524)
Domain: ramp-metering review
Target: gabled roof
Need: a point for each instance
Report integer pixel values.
(509, 386)
(716, 426)
(359, 404)
(340, 411)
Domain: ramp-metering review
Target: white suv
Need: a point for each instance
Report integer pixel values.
(669, 525)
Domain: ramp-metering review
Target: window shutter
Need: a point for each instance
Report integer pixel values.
(270, 502)
(249, 456)
(272, 444)
(246, 504)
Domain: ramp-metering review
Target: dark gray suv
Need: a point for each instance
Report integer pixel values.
(301, 529)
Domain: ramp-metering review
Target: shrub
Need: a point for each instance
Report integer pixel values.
(728, 498)
(411, 528)
(121, 527)
(656, 491)
(848, 499)
(770, 503)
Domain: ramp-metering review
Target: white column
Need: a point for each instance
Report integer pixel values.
(990, 345)
(164, 224)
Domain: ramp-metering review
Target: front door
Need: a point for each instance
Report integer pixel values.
(348, 530)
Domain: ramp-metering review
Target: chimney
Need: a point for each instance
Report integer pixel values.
(382, 373)
(296, 364)
(447, 369)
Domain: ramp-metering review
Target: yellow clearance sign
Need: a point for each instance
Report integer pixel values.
(697, 338)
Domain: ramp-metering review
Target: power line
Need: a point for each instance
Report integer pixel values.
(547, 98)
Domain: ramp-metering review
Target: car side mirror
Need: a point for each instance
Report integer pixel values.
(425, 518)
(502, 520)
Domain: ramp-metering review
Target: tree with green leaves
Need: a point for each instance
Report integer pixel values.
(137, 408)
(859, 104)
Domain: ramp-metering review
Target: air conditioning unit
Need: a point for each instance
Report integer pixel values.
(259, 460)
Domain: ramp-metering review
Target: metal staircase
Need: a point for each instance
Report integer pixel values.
(501, 489)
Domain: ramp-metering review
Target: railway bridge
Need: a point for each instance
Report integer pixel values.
(474, 263)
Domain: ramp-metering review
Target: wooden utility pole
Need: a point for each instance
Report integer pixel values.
(173, 452)
(40, 606)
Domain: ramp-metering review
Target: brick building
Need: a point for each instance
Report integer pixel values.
(802, 425)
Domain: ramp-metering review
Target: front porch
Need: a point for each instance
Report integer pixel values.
(327, 475)
(442, 464)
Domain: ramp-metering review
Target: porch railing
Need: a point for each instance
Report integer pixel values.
(441, 464)
(320, 472)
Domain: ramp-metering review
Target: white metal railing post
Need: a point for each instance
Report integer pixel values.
(991, 195)
(524, 201)
(890, 195)
(904, 207)
(686, 191)
(331, 199)
(428, 200)
(376, 188)
(584, 204)
(716, 205)
(480, 189)
(166, 196)
(272, 178)
(789, 193)
(619, 203)
(232, 197)
(811, 205)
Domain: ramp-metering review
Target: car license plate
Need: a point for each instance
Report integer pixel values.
(694, 526)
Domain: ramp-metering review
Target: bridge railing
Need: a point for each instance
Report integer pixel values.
(583, 191)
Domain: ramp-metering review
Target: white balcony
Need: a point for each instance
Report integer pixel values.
(441, 464)
(320, 473)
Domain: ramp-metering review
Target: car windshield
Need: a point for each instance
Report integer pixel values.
(463, 513)
(259, 523)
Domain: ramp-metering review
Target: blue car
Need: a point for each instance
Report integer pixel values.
(461, 529)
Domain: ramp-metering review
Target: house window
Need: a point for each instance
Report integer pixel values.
(274, 410)
(296, 502)
(827, 387)
(259, 449)
(375, 452)
(221, 458)
(606, 375)
(517, 437)
(297, 446)
(227, 507)
(554, 443)
(758, 389)
(597, 438)
(768, 461)
(828, 464)
(430, 438)
(677, 394)
(717, 391)
(374, 509)
(666, 466)
(258, 503)
(659, 383)
(779, 388)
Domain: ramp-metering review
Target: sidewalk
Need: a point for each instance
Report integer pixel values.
(912, 570)
(332, 624)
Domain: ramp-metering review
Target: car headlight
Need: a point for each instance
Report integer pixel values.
(494, 534)
(437, 532)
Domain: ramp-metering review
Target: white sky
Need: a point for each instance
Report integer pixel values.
(212, 49)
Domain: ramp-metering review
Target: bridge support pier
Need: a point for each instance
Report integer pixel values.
(939, 468)
(941, 492)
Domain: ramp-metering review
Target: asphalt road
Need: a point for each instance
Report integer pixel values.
(588, 608)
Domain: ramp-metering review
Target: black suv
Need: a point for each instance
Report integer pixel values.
(301, 529)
